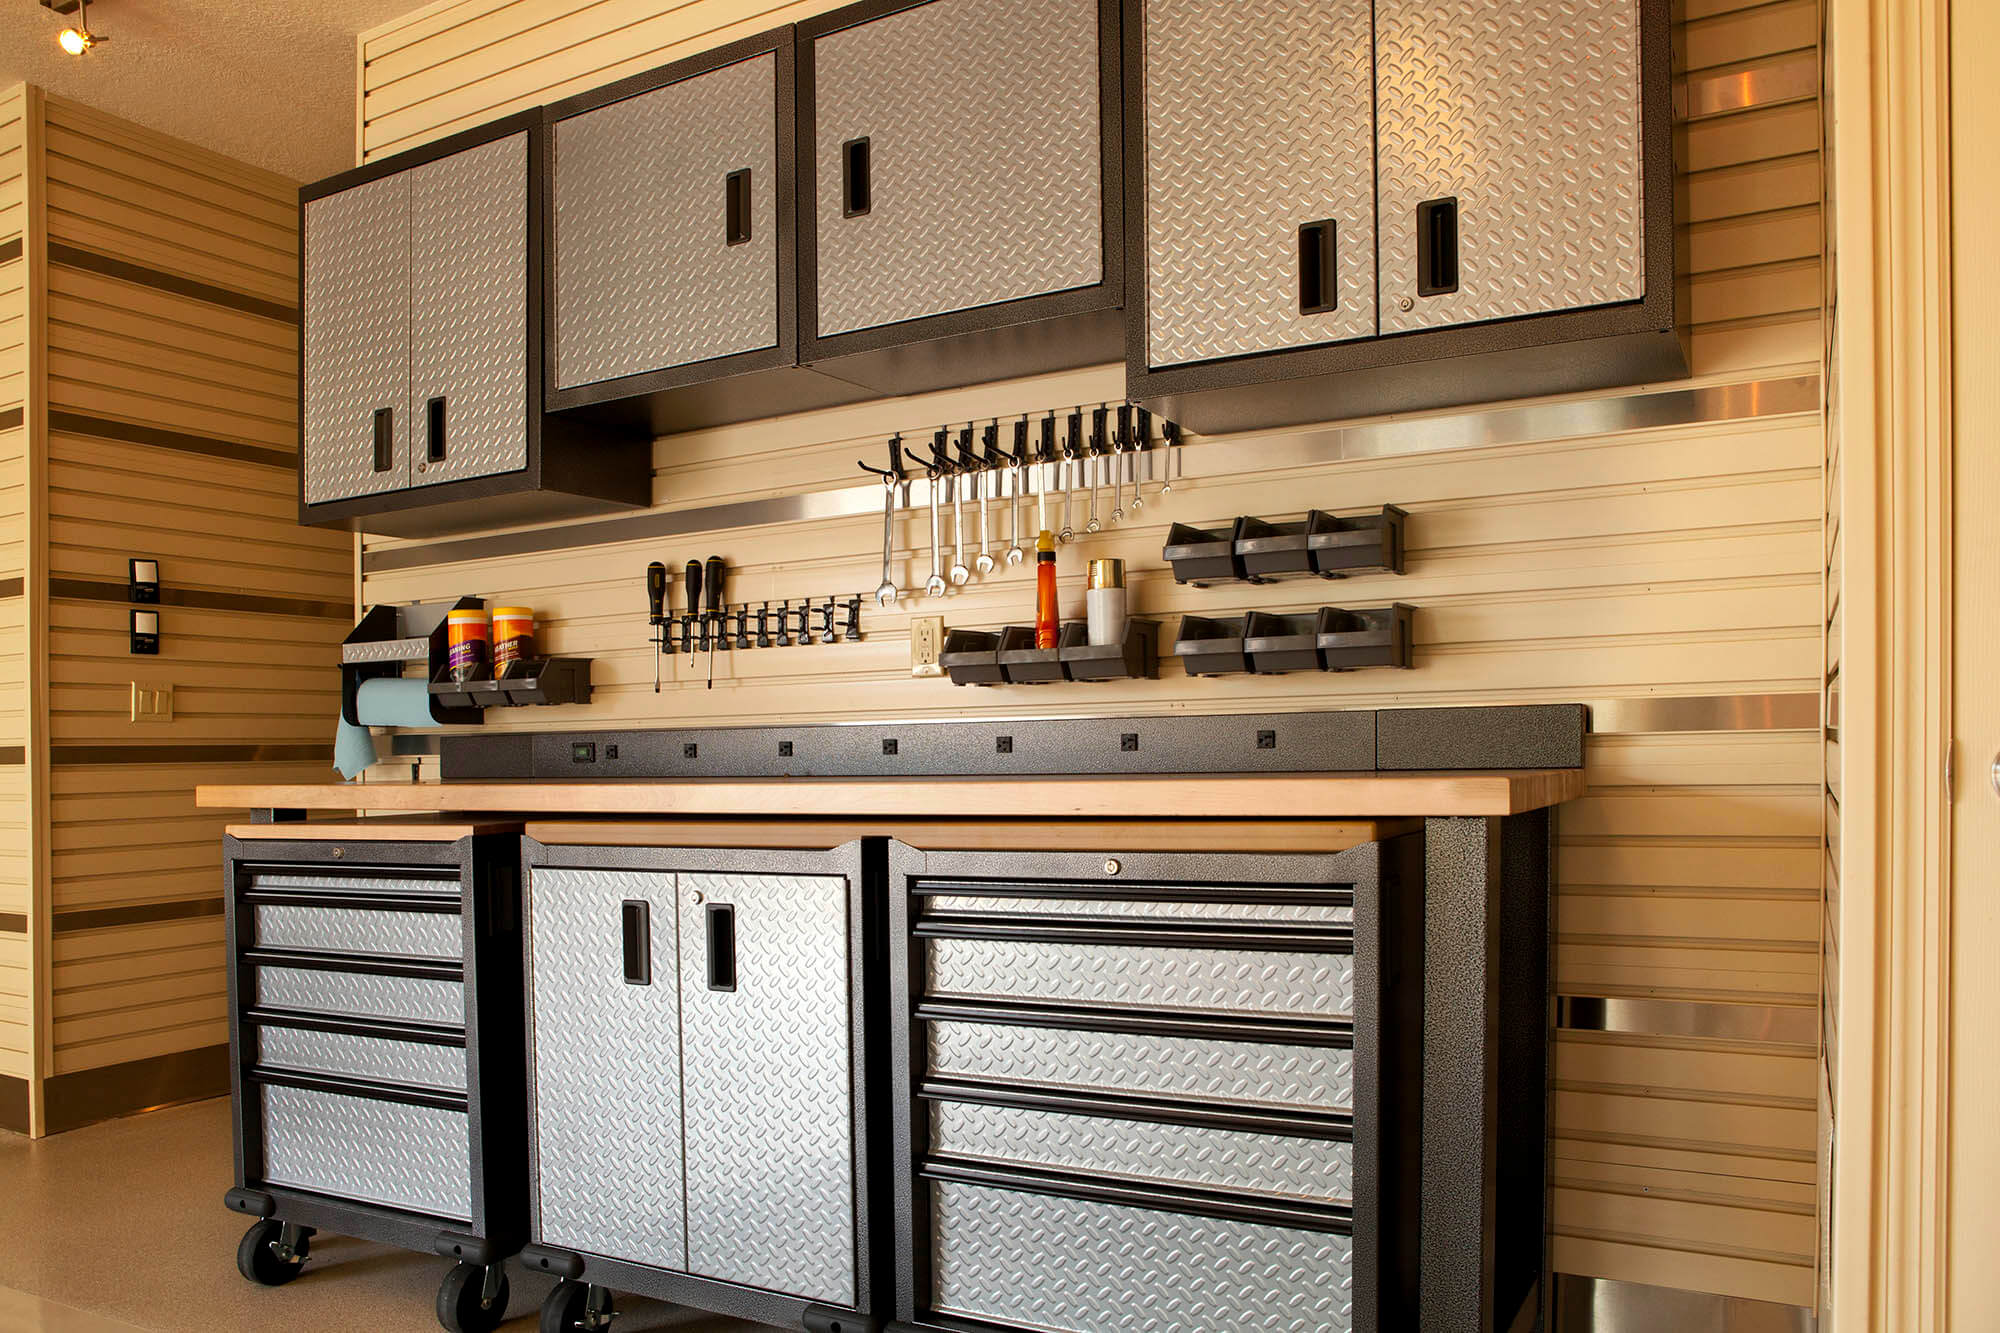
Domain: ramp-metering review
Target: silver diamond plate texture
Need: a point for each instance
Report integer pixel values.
(469, 310)
(1084, 1267)
(414, 1062)
(1319, 985)
(361, 930)
(982, 122)
(414, 1157)
(1149, 911)
(386, 650)
(1528, 114)
(606, 1068)
(1230, 1071)
(301, 882)
(770, 1129)
(1268, 1164)
(361, 994)
(1259, 119)
(645, 275)
(356, 331)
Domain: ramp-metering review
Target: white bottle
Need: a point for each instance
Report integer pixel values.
(1104, 602)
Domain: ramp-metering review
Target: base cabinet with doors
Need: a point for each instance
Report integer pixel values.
(699, 1057)
(375, 1035)
(421, 350)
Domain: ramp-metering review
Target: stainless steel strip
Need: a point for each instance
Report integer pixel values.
(1226, 456)
(1789, 1023)
(1720, 93)
(1600, 1305)
(1706, 712)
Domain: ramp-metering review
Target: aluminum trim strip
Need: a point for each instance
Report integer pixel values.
(1600, 1305)
(1725, 92)
(1788, 1023)
(1706, 712)
(1225, 456)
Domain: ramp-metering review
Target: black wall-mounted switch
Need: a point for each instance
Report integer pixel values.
(142, 580)
(146, 633)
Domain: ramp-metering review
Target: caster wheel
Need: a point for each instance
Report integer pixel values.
(567, 1309)
(257, 1256)
(463, 1305)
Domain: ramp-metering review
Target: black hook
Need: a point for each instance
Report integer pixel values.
(894, 472)
(940, 464)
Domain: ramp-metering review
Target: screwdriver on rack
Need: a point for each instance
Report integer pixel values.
(656, 603)
(693, 612)
(713, 581)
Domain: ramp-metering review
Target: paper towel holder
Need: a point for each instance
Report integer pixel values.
(387, 638)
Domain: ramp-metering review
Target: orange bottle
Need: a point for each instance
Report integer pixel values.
(1048, 622)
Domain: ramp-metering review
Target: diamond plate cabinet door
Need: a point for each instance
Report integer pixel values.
(469, 313)
(767, 1058)
(1260, 176)
(1509, 134)
(356, 384)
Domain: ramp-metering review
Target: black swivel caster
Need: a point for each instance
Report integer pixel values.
(272, 1253)
(472, 1299)
(576, 1307)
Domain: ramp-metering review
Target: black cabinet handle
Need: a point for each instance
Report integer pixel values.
(385, 438)
(721, 921)
(1319, 278)
(736, 191)
(635, 919)
(434, 430)
(1437, 247)
(857, 192)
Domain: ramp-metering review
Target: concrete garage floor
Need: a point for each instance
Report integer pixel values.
(120, 1227)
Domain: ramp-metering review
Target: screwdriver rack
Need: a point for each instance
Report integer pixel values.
(741, 626)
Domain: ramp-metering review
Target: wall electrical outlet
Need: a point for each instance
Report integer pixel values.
(926, 644)
(152, 703)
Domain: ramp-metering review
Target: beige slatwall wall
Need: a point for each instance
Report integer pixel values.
(127, 834)
(1678, 562)
(16, 975)
(1829, 791)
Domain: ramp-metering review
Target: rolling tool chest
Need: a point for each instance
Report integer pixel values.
(699, 1053)
(375, 1029)
(1158, 1090)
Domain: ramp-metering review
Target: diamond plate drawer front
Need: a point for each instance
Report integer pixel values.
(986, 159)
(361, 994)
(298, 881)
(770, 1127)
(1318, 913)
(1229, 1071)
(413, 1157)
(1528, 115)
(361, 930)
(646, 277)
(1084, 1267)
(356, 326)
(605, 1068)
(414, 1062)
(1321, 1170)
(469, 311)
(1259, 120)
(1315, 985)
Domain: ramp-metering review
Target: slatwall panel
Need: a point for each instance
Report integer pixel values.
(1683, 561)
(16, 973)
(1829, 1067)
(216, 504)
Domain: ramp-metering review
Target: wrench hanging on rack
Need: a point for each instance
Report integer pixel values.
(892, 479)
(936, 470)
(1072, 459)
(1019, 471)
(1098, 448)
(975, 467)
(958, 574)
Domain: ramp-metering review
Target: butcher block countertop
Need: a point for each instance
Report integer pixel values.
(1252, 796)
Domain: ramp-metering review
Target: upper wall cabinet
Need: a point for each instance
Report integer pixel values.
(672, 290)
(420, 364)
(962, 214)
(1348, 207)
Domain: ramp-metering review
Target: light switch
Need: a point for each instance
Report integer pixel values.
(152, 703)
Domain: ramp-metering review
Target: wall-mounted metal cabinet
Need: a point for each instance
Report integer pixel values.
(1359, 206)
(420, 356)
(961, 213)
(672, 283)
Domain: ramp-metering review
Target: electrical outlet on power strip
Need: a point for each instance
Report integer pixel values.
(926, 645)
(152, 703)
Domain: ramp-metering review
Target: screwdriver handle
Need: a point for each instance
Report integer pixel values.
(656, 592)
(712, 576)
(694, 606)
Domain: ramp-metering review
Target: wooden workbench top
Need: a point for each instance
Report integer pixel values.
(1253, 796)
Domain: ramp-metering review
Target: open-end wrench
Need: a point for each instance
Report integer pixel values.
(1142, 444)
(934, 585)
(983, 562)
(1170, 444)
(1120, 439)
(1015, 553)
(958, 573)
(1096, 452)
(1072, 456)
(892, 479)
(1045, 465)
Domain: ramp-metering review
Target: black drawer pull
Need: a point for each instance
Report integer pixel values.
(736, 191)
(385, 438)
(857, 193)
(636, 921)
(434, 430)
(1319, 276)
(721, 920)
(1437, 247)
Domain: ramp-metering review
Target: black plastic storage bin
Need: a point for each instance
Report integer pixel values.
(1352, 640)
(1210, 647)
(1201, 556)
(1362, 544)
(1132, 658)
(1275, 643)
(1025, 664)
(377, 1068)
(971, 657)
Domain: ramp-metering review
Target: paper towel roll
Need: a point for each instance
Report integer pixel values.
(388, 702)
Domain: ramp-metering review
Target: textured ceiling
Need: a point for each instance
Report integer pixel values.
(268, 81)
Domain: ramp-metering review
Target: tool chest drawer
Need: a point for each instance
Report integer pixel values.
(358, 930)
(1082, 1266)
(390, 1153)
(1143, 975)
(363, 994)
(425, 1064)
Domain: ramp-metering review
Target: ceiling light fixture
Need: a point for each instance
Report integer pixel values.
(80, 38)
